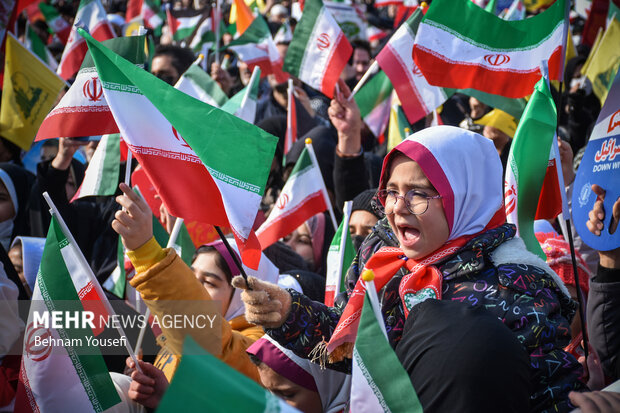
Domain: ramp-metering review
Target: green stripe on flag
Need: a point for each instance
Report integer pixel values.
(53, 279)
(481, 27)
(385, 374)
(132, 47)
(255, 33)
(375, 91)
(301, 37)
(253, 148)
(206, 83)
(303, 163)
(228, 390)
(529, 157)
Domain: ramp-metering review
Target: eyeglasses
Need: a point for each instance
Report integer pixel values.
(416, 202)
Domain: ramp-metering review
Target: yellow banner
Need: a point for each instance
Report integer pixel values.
(29, 92)
(605, 61)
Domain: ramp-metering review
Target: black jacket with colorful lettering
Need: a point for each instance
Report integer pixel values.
(493, 270)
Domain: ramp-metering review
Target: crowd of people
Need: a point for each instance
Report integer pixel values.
(478, 322)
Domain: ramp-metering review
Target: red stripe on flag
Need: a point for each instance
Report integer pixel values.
(288, 222)
(77, 124)
(91, 301)
(72, 61)
(438, 71)
(410, 99)
(335, 66)
(186, 188)
(550, 201)
(133, 9)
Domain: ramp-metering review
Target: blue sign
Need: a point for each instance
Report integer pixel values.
(601, 166)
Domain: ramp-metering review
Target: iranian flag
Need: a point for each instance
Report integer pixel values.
(94, 18)
(33, 42)
(243, 104)
(418, 98)
(529, 167)
(197, 83)
(339, 257)
(180, 155)
(459, 45)
(83, 110)
(374, 100)
(101, 176)
(55, 21)
(291, 119)
(302, 197)
(256, 48)
(183, 23)
(229, 390)
(319, 49)
(69, 378)
(379, 383)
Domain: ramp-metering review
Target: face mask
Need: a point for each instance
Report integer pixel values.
(6, 230)
(357, 241)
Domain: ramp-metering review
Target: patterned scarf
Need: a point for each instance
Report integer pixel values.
(422, 282)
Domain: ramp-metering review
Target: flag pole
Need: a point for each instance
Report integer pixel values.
(566, 217)
(330, 209)
(233, 254)
(89, 272)
(373, 67)
(216, 27)
(348, 206)
(174, 234)
(368, 277)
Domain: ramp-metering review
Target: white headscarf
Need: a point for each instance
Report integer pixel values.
(464, 168)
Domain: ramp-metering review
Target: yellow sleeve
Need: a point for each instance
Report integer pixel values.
(169, 287)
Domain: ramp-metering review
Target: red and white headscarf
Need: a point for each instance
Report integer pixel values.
(464, 168)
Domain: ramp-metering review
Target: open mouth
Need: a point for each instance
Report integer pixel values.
(407, 235)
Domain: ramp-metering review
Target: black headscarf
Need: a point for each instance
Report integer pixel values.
(22, 182)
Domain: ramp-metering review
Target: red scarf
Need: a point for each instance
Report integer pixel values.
(423, 277)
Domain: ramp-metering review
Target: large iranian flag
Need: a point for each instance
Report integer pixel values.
(418, 98)
(529, 165)
(459, 45)
(301, 198)
(211, 171)
(374, 100)
(379, 382)
(83, 110)
(93, 16)
(55, 21)
(71, 378)
(319, 49)
(197, 83)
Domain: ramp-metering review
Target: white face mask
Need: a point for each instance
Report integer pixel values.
(6, 230)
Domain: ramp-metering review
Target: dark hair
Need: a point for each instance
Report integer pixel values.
(360, 44)
(255, 360)
(219, 260)
(182, 57)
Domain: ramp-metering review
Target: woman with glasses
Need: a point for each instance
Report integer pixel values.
(443, 243)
